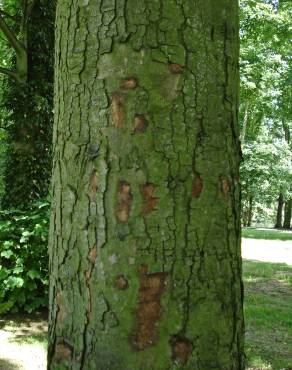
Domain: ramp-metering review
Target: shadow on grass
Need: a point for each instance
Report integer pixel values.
(8, 365)
(268, 315)
(26, 328)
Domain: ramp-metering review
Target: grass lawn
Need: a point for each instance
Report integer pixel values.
(268, 315)
(270, 234)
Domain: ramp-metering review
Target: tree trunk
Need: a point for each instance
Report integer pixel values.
(250, 213)
(145, 259)
(278, 224)
(288, 203)
(244, 124)
(287, 214)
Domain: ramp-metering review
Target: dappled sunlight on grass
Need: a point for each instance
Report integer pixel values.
(23, 342)
(257, 363)
(268, 315)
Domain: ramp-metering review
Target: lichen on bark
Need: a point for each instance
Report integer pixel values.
(146, 158)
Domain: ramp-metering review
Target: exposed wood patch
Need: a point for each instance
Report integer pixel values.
(149, 308)
(140, 123)
(93, 184)
(124, 201)
(118, 110)
(175, 68)
(61, 308)
(92, 255)
(197, 185)
(121, 282)
(150, 202)
(129, 84)
(181, 349)
(225, 185)
(62, 352)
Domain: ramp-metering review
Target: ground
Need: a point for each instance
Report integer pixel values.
(23, 342)
(267, 274)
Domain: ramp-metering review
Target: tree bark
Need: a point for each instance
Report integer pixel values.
(278, 224)
(288, 203)
(287, 214)
(250, 211)
(145, 259)
(244, 124)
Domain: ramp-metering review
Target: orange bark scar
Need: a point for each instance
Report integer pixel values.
(181, 349)
(121, 282)
(225, 186)
(149, 308)
(175, 68)
(150, 202)
(197, 186)
(140, 123)
(62, 352)
(93, 184)
(129, 84)
(62, 310)
(124, 201)
(118, 110)
(92, 255)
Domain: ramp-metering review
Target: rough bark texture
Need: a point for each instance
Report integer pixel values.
(145, 259)
(279, 218)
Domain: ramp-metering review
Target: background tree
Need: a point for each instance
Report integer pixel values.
(145, 178)
(265, 86)
(26, 99)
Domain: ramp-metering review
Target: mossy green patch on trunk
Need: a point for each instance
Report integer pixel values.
(145, 187)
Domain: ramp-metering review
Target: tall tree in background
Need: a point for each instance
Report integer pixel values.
(265, 85)
(145, 261)
(26, 99)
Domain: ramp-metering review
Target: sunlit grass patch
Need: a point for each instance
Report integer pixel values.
(270, 234)
(268, 315)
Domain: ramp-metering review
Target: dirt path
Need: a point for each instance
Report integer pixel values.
(277, 251)
(23, 343)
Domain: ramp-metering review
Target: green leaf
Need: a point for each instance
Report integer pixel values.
(7, 254)
(3, 273)
(33, 274)
(15, 282)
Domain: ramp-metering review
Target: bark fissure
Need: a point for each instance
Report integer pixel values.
(146, 104)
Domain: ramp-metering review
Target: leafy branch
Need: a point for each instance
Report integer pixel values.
(19, 44)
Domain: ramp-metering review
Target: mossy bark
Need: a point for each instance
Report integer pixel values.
(145, 260)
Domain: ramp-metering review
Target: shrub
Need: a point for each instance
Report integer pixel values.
(23, 258)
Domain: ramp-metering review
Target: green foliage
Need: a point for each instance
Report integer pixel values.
(23, 258)
(265, 105)
(271, 234)
(26, 112)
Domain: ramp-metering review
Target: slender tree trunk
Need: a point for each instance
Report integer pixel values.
(287, 214)
(278, 224)
(288, 203)
(145, 260)
(250, 211)
(244, 124)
